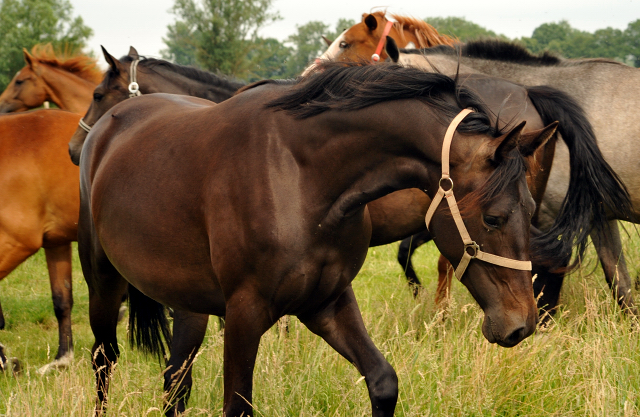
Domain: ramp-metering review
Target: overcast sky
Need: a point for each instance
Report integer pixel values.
(142, 23)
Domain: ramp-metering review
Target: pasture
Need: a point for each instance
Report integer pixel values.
(586, 363)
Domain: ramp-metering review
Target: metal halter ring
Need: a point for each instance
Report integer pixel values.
(474, 247)
(134, 88)
(446, 179)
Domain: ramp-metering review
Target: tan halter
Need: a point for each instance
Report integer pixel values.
(471, 248)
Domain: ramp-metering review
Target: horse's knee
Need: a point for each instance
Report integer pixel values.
(383, 388)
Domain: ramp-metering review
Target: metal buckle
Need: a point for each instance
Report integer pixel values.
(450, 182)
(474, 247)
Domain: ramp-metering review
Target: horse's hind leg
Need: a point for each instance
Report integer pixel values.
(609, 248)
(59, 266)
(106, 291)
(407, 247)
(188, 332)
(341, 325)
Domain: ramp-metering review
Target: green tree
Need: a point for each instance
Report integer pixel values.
(308, 43)
(221, 34)
(461, 28)
(25, 23)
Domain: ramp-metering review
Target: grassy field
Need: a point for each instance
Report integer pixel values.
(586, 363)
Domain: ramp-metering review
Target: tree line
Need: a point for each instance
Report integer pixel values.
(223, 36)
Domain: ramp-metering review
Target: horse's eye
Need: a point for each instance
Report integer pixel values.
(491, 221)
(343, 45)
(18, 82)
(97, 97)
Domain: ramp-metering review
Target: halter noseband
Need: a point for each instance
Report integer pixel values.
(134, 91)
(471, 248)
(387, 28)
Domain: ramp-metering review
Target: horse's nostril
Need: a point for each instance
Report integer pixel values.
(515, 336)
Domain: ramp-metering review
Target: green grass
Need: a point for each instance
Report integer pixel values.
(586, 363)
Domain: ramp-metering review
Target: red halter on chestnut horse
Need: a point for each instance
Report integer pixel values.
(365, 40)
(39, 205)
(67, 81)
(256, 208)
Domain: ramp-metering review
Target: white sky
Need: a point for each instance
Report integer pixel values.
(142, 23)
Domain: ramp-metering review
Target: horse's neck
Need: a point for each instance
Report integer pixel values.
(377, 158)
(165, 81)
(68, 91)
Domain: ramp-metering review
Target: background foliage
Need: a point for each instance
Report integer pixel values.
(24, 23)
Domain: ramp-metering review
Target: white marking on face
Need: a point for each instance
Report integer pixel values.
(332, 52)
(334, 49)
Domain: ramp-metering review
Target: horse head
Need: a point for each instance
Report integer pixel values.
(26, 90)
(113, 89)
(494, 218)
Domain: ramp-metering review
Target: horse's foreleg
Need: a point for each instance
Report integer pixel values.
(340, 324)
(609, 248)
(445, 276)
(407, 247)
(14, 252)
(247, 318)
(59, 266)
(188, 332)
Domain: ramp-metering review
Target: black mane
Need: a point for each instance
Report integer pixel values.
(504, 51)
(352, 86)
(188, 72)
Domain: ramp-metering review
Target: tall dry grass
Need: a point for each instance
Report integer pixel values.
(586, 363)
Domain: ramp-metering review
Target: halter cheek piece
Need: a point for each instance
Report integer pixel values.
(134, 91)
(471, 248)
(387, 28)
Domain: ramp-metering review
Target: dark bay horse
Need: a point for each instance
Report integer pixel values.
(609, 92)
(257, 207)
(593, 183)
(67, 81)
(151, 76)
(39, 205)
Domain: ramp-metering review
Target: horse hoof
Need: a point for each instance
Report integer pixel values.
(59, 364)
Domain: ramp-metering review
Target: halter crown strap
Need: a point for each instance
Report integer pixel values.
(387, 28)
(471, 248)
(134, 88)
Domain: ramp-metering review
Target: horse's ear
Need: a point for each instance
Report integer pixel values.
(507, 143)
(133, 53)
(392, 49)
(530, 142)
(30, 60)
(113, 63)
(327, 40)
(371, 22)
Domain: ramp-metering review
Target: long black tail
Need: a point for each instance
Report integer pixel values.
(595, 190)
(148, 324)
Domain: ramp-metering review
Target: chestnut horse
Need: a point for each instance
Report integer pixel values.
(255, 208)
(39, 207)
(67, 81)
(365, 41)
(504, 60)
(151, 76)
